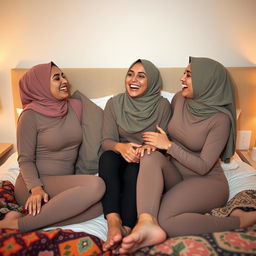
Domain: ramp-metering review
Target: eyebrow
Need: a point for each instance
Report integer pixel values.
(187, 71)
(130, 70)
(57, 74)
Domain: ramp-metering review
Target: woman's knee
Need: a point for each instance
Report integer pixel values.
(93, 184)
(155, 158)
(98, 185)
(108, 156)
(150, 157)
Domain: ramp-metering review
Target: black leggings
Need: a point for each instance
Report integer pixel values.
(120, 178)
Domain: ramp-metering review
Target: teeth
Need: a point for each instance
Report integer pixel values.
(63, 88)
(134, 86)
(184, 86)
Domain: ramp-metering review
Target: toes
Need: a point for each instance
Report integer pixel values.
(107, 245)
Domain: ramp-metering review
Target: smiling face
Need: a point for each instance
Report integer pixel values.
(186, 81)
(136, 81)
(59, 86)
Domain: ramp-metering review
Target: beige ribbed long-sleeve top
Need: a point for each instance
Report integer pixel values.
(47, 145)
(198, 141)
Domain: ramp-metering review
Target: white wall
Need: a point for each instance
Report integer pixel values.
(113, 33)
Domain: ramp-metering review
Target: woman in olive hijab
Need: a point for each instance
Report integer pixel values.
(126, 116)
(202, 129)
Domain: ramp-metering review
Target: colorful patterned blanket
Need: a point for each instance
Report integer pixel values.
(67, 242)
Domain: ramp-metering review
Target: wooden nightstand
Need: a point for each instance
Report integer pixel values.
(245, 155)
(5, 148)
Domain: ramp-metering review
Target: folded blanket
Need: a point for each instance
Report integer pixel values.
(7, 200)
(245, 200)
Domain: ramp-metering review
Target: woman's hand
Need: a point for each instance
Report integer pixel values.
(128, 151)
(158, 140)
(34, 202)
(142, 149)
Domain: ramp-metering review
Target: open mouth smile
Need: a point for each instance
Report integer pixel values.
(134, 86)
(184, 87)
(64, 88)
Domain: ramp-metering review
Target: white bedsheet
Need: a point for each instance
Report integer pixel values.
(241, 178)
(240, 175)
(98, 226)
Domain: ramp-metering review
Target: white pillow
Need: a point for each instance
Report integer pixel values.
(232, 165)
(9, 170)
(102, 101)
(167, 95)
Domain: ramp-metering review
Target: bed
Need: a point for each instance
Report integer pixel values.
(87, 238)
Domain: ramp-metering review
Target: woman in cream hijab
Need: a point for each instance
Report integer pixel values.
(126, 116)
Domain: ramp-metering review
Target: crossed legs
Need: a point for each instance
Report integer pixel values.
(180, 211)
(70, 196)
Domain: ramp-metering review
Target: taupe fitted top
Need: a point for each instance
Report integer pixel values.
(47, 145)
(198, 141)
(113, 133)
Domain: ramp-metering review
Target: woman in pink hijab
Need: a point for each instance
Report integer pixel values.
(48, 138)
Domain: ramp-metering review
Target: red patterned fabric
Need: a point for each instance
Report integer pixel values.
(48, 243)
(67, 242)
(7, 200)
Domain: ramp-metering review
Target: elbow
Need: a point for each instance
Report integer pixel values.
(204, 169)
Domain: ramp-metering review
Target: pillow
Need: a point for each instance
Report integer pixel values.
(102, 101)
(92, 119)
(167, 95)
(232, 165)
(9, 170)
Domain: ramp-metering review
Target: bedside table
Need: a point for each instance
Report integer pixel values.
(5, 148)
(245, 155)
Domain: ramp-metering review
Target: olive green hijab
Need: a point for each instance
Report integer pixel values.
(136, 114)
(213, 92)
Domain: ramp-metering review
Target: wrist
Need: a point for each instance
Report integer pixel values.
(36, 189)
(168, 146)
(117, 147)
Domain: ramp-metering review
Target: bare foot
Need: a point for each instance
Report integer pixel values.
(147, 232)
(9, 223)
(246, 218)
(116, 232)
(12, 215)
(125, 232)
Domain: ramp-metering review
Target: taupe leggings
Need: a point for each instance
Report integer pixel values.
(73, 199)
(180, 209)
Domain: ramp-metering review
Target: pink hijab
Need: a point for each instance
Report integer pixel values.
(35, 93)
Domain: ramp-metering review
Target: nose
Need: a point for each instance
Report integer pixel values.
(134, 78)
(183, 78)
(64, 80)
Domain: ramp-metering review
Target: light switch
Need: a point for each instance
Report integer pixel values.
(243, 139)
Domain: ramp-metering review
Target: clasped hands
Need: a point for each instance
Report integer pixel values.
(132, 152)
(34, 201)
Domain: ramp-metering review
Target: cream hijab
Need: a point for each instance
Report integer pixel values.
(213, 92)
(136, 114)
